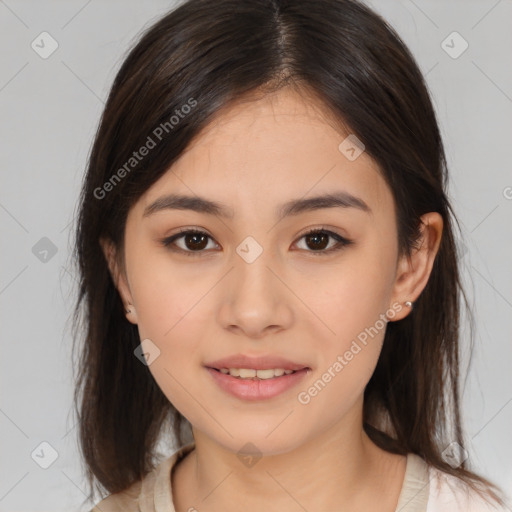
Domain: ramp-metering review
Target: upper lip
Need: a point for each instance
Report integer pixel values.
(256, 363)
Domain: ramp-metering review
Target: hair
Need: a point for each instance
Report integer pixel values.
(184, 71)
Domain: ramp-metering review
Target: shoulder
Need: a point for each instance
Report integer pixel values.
(124, 501)
(141, 495)
(448, 493)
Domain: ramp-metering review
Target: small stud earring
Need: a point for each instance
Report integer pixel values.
(408, 304)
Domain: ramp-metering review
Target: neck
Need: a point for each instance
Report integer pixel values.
(341, 466)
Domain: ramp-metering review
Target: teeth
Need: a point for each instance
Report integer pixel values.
(249, 373)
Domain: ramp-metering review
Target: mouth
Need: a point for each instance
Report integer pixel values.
(255, 375)
(242, 365)
(256, 385)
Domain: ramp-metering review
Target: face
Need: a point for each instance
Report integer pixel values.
(255, 283)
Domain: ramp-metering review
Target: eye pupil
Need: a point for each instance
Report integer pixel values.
(316, 237)
(194, 245)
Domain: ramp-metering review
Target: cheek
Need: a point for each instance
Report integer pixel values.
(172, 313)
(349, 354)
(350, 321)
(351, 296)
(168, 296)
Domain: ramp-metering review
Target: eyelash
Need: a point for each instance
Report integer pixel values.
(342, 241)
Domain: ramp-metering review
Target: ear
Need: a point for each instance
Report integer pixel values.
(119, 278)
(413, 272)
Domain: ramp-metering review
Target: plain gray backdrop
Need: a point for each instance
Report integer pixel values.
(50, 107)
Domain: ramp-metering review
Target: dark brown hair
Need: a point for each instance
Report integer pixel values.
(206, 55)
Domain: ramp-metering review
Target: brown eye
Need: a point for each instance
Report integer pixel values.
(317, 240)
(193, 242)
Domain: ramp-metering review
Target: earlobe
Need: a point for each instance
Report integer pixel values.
(413, 271)
(131, 314)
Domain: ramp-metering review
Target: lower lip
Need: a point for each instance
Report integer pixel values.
(256, 389)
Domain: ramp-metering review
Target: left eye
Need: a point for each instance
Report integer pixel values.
(318, 237)
(195, 241)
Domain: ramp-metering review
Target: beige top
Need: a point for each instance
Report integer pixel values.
(425, 489)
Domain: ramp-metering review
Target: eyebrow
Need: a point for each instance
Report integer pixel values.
(340, 199)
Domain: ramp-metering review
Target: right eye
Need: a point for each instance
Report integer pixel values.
(193, 238)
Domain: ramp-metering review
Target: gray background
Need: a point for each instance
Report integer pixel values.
(49, 112)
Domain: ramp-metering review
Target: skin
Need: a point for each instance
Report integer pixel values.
(289, 302)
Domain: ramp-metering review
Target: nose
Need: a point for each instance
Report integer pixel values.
(256, 299)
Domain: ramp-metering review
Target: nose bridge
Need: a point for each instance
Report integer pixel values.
(257, 298)
(253, 263)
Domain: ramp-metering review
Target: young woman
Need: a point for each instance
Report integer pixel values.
(269, 274)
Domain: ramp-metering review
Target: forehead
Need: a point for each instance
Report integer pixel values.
(266, 151)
